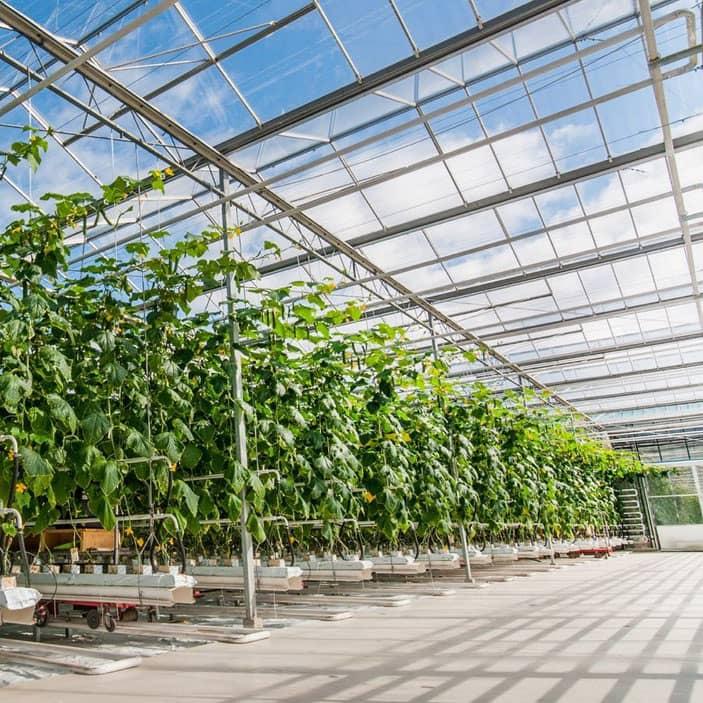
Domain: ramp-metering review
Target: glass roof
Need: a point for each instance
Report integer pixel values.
(504, 173)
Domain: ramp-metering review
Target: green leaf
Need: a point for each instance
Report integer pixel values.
(101, 508)
(191, 456)
(13, 390)
(62, 412)
(189, 495)
(167, 443)
(234, 507)
(285, 434)
(182, 430)
(137, 444)
(111, 478)
(95, 426)
(36, 468)
(53, 359)
(256, 527)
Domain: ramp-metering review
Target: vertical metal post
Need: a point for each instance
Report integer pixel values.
(697, 485)
(462, 529)
(250, 616)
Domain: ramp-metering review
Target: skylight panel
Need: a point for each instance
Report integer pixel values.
(532, 289)
(370, 32)
(571, 239)
(465, 233)
(534, 250)
(625, 326)
(575, 140)
(492, 261)
(520, 216)
(477, 174)
(530, 38)
(613, 228)
(600, 283)
(386, 155)
(429, 24)
(431, 83)
(656, 217)
(413, 195)
(290, 67)
(456, 128)
(568, 291)
(559, 205)
(402, 251)
(689, 162)
(634, 276)
(630, 121)
(481, 60)
(684, 317)
(559, 89)
(646, 180)
(524, 158)
(425, 278)
(346, 217)
(597, 331)
(601, 193)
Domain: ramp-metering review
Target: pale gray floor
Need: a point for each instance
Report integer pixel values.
(628, 629)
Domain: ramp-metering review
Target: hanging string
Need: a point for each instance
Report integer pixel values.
(146, 352)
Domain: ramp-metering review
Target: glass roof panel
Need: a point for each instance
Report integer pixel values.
(413, 195)
(427, 26)
(370, 32)
(274, 79)
(465, 233)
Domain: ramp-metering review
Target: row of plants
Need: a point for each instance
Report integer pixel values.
(120, 396)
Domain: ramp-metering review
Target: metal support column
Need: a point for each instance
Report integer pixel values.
(250, 617)
(462, 529)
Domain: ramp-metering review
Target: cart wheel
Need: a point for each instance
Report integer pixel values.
(41, 617)
(92, 617)
(129, 615)
(110, 623)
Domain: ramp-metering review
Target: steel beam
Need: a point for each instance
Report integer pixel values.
(628, 394)
(637, 373)
(650, 406)
(657, 76)
(247, 547)
(547, 363)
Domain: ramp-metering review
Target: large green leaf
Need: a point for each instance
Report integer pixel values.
(95, 425)
(189, 495)
(102, 509)
(13, 389)
(62, 412)
(111, 478)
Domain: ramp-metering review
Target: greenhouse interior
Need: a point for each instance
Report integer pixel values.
(351, 350)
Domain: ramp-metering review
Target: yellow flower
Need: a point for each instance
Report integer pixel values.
(20, 487)
(128, 531)
(140, 542)
(168, 171)
(11, 455)
(368, 496)
(173, 467)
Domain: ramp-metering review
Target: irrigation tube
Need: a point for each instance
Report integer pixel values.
(20, 539)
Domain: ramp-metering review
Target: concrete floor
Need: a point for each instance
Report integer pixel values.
(627, 629)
